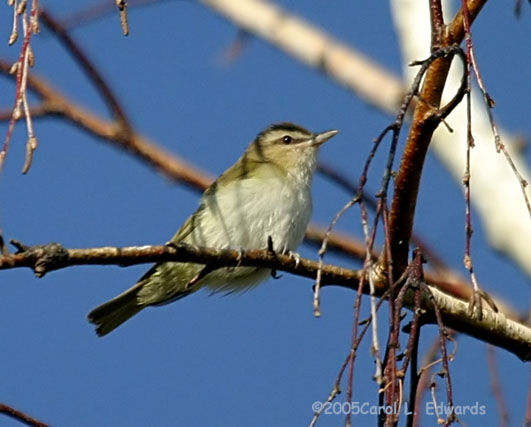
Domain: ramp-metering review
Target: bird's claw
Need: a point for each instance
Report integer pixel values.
(239, 258)
(295, 256)
(475, 304)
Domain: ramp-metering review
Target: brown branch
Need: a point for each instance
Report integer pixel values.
(168, 164)
(20, 416)
(426, 118)
(45, 258)
(455, 31)
(495, 328)
(437, 20)
(87, 66)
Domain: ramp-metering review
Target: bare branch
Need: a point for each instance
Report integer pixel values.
(88, 67)
(495, 328)
(168, 164)
(45, 258)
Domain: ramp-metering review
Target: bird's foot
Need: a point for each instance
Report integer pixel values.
(475, 303)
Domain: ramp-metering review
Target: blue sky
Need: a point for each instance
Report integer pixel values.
(259, 358)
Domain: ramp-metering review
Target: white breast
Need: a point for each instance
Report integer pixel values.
(244, 214)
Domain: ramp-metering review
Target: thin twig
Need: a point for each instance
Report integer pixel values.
(122, 8)
(97, 10)
(412, 355)
(20, 416)
(20, 69)
(429, 360)
(88, 67)
(489, 105)
(445, 359)
(496, 387)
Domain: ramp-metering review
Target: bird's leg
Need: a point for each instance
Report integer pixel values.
(271, 250)
(475, 303)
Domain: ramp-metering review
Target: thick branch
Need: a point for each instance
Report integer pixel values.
(494, 328)
(425, 121)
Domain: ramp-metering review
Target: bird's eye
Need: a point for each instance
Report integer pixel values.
(287, 139)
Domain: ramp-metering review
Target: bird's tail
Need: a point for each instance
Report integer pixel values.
(116, 311)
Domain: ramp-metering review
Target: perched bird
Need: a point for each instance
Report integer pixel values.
(265, 196)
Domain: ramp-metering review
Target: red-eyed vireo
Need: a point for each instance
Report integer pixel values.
(264, 197)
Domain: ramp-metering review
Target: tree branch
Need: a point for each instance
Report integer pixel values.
(88, 67)
(495, 328)
(45, 258)
(165, 163)
(426, 118)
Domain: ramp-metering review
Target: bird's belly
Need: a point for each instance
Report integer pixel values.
(245, 217)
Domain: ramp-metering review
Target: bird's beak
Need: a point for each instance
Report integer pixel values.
(322, 137)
